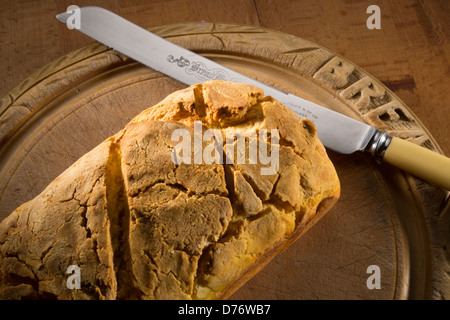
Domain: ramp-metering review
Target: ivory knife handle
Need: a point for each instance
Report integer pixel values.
(419, 161)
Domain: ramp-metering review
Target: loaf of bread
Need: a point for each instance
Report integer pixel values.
(134, 219)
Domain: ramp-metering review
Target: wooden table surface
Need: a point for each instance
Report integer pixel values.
(410, 54)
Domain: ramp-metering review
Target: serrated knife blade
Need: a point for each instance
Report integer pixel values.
(336, 131)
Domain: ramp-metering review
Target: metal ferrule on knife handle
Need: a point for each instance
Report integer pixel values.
(378, 144)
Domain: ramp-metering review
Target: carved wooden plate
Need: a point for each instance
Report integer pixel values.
(384, 218)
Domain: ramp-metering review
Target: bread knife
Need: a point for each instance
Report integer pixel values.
(336, 131)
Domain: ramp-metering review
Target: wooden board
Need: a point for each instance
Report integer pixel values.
(384, 217)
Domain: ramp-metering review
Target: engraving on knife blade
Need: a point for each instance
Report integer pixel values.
(199, 69)
(181, 61)
(301, 111)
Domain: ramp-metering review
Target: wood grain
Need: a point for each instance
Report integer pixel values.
(381, 212)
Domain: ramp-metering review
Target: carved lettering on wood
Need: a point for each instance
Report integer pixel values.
(367, 89)
(335, 73)
(392, 116)
(389, 113)
(395, 118)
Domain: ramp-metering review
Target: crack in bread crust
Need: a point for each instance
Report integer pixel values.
(142, 227)
(63, 226)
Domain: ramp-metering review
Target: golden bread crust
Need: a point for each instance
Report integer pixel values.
(142, 226)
